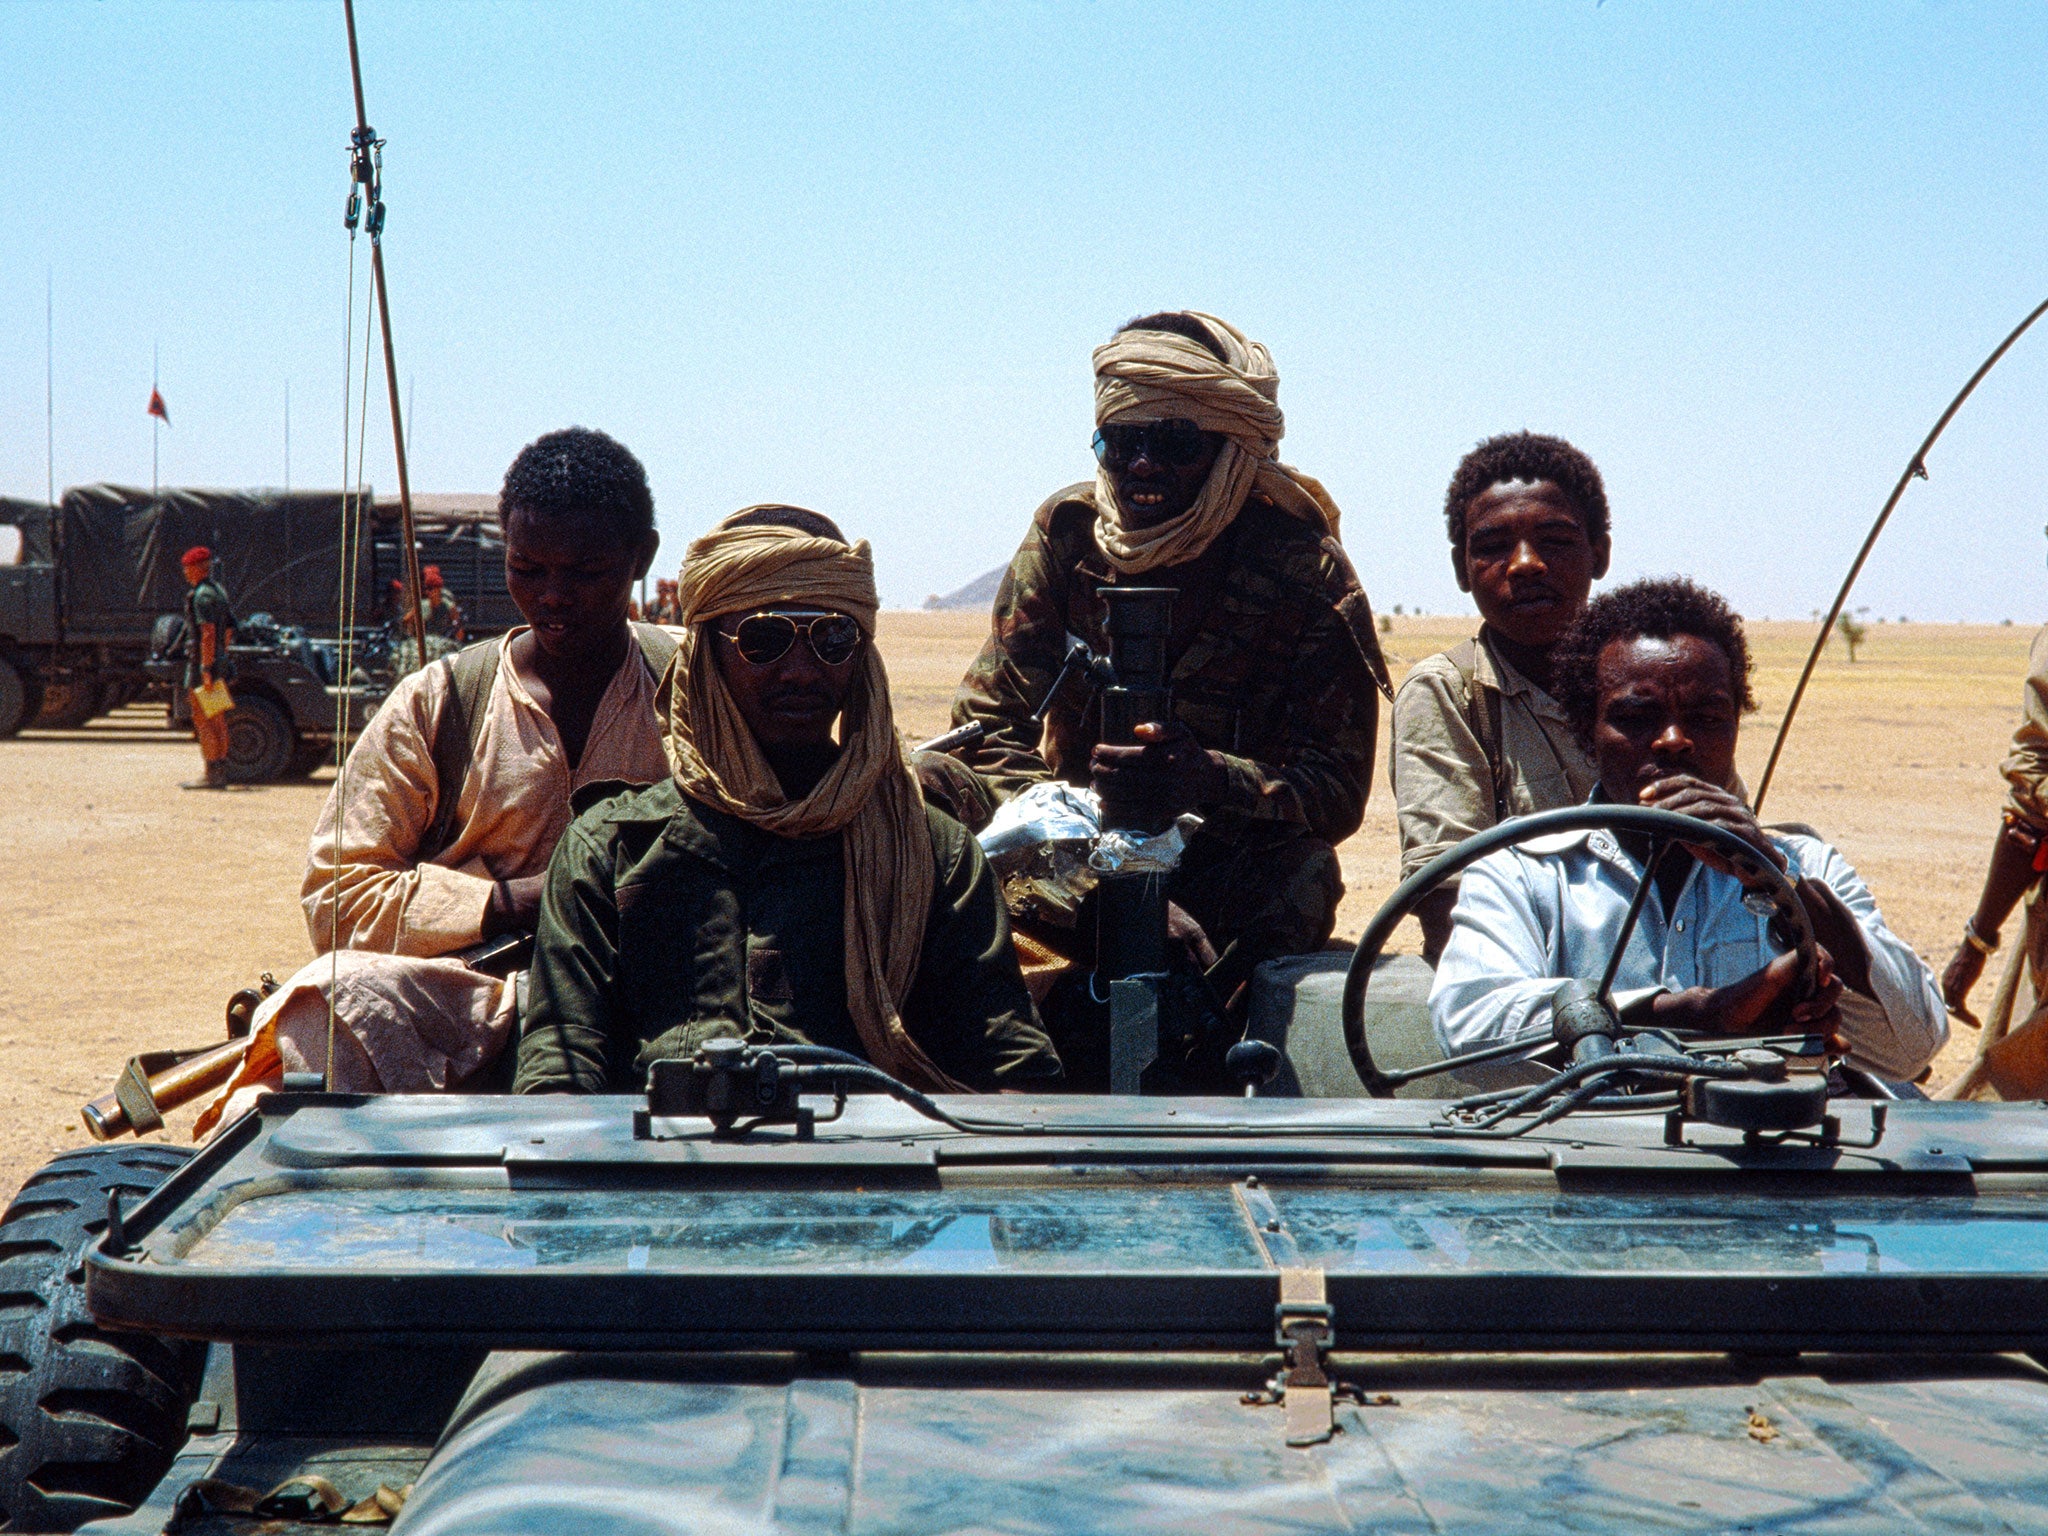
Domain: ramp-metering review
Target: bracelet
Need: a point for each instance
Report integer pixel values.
(1977, 941)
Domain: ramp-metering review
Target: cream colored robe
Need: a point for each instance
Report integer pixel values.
(408, 1018)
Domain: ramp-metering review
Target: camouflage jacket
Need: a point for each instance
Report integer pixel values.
(1278, 672)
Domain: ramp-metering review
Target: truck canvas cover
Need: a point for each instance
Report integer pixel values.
(34, 520)
(276, 552)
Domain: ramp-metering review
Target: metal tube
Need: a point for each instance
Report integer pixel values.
(1916, 466)
(1131, 928)
(415, 619)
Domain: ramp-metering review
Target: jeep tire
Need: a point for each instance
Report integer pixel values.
(261, 741)
(89, 1419)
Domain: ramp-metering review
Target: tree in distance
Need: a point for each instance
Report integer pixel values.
(1852, 630)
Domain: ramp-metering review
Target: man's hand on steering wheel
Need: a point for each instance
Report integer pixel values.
(1834, 925)
(1760, 1003)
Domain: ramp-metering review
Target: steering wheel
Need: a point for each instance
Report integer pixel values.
(1789, 923)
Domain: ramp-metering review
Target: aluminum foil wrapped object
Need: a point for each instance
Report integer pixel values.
(1039, 843)
(1048, 850)
(1139, 853)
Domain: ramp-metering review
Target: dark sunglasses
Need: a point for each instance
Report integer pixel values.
(764, 638)
(1178, 442)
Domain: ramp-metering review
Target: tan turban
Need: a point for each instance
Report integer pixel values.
(870, 795)
(1145, 376)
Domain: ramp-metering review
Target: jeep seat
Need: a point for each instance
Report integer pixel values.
(1297, 1004)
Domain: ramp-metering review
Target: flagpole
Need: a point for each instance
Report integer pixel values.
(49, 387)
(155, 421)
(287, 437)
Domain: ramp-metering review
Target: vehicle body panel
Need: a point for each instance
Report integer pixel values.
(1051, 1320)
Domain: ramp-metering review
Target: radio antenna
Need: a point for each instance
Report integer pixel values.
(367, 165)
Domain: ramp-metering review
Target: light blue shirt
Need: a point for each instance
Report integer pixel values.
(1530, 916)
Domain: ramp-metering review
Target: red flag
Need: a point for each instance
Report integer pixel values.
(156, 406)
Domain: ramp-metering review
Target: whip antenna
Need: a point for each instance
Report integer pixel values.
(1916, 466)
(367, 161)
(365, 211)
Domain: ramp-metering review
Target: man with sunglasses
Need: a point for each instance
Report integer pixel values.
(786, 883)
(1273, 658)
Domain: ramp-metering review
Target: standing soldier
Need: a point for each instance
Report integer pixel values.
(209, 630)
(666, 609)
(1273, 660)
(440, 614)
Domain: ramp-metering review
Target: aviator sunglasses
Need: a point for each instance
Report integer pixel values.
(765, 638)
(1178, 442)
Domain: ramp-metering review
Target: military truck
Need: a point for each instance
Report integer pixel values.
(90, 578)
(1689, 1285)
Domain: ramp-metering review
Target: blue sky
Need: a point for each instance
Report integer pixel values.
(856, 257)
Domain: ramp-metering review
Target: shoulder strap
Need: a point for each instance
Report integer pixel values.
(1482, 713)
(657, 645)
(457, 728)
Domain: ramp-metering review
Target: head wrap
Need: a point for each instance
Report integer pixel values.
(1145, 376)
(430, 576)
(198, 554)
(870, 795)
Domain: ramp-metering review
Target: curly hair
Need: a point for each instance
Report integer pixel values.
(1662, 608)
(581, 476)
(1529, 456)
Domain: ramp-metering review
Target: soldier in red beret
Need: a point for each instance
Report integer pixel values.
(209, 629)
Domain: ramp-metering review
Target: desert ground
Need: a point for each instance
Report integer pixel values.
(129, 911)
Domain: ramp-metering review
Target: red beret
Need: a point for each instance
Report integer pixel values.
(198, 554)
(430, 576)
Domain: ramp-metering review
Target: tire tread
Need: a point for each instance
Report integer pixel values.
(89, 1419)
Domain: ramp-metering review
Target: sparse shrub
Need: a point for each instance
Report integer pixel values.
(1852, 632)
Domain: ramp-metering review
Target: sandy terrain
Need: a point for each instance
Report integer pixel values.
(129, 911)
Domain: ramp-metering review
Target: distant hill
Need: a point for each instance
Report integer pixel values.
(978, 593)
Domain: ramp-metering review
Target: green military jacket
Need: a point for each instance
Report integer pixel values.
(666, 922)
(207, 603)
(1279, 674)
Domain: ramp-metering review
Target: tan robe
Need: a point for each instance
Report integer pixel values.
(407, 1018)
(1443, 786)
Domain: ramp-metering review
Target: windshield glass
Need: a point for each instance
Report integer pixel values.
(1036, 1226)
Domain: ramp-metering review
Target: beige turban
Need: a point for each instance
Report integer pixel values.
(870, 795)
(1157, 376)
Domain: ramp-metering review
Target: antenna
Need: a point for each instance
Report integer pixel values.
(49, 388)
(367, 164)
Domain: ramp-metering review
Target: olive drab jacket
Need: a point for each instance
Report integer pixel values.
(666, 922)
(207, 603)
(1275, 664)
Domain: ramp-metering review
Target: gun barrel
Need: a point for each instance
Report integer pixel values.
(960, 736)
(175, 1086)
